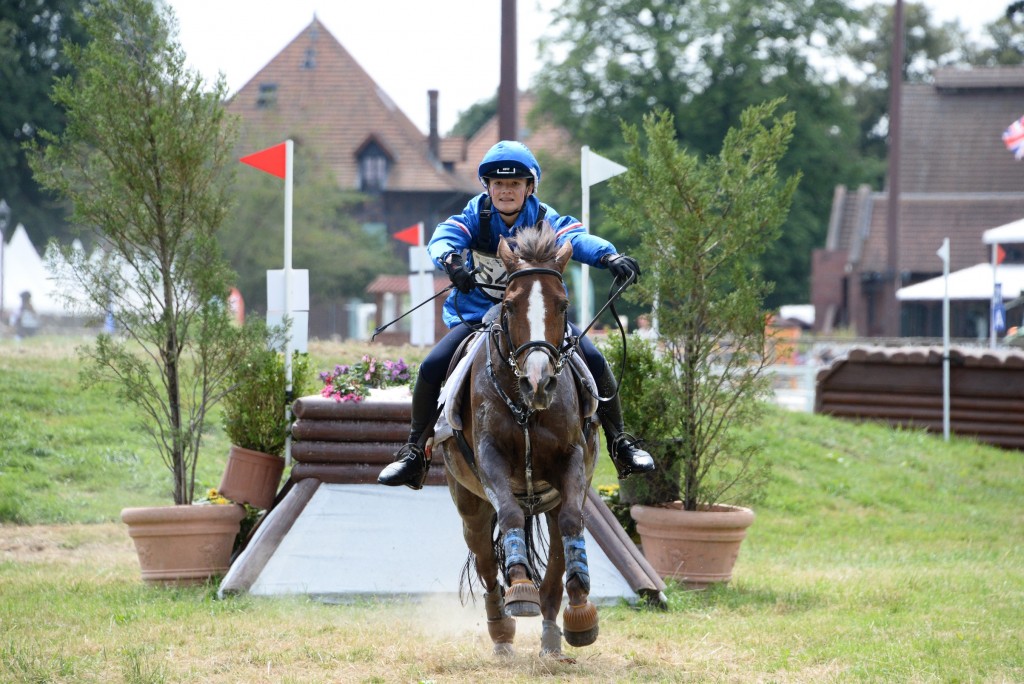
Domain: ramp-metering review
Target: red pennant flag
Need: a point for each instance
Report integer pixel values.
(410, 235)
(270, 160)
(1000, 254)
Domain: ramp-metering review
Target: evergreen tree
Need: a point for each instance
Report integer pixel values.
(30, 62)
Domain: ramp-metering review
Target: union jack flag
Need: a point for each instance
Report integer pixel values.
(1013, 138)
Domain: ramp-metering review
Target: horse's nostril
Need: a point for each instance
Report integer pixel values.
(549, 386)
(524, 387)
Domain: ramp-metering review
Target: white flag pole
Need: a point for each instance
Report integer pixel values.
(944, 255)
(594, 169)
(288, 343)
(584, 268)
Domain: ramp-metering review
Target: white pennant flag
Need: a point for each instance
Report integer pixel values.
(943, 251)
(601, 169)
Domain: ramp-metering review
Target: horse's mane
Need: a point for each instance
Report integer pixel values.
(536, 244)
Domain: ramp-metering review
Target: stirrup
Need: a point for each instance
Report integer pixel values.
(409, 469)
(635, 460)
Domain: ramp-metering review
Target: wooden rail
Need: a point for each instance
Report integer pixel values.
(903, 386)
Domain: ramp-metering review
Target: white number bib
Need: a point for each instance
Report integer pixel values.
(490, 271)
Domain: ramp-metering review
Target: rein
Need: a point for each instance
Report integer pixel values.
(523, 413)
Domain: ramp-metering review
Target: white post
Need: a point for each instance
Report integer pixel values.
(288, 345)
(944, 254)
(593, 169)
(992, 307)
(584, 268)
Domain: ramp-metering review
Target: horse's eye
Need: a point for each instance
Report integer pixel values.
(563, 307)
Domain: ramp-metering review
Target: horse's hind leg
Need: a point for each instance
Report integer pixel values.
(500, 625)
(477, 516)
(551, 593)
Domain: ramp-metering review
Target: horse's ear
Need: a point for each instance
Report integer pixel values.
(563, 256)
(507, 256)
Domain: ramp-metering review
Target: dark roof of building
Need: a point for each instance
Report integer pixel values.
(957, 177)
(314, 89)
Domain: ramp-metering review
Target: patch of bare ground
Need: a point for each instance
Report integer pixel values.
(106, 544)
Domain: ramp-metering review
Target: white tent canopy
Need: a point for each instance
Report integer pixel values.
(23, 270)
(969, 283)
(1005, 234)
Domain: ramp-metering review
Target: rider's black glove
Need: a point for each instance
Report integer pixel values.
(455, 266)
(622, 266)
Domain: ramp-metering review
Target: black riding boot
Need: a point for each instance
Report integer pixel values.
(410, 466)
(626, 455)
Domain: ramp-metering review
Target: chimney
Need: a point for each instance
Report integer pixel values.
(508, 127)
(434, 138)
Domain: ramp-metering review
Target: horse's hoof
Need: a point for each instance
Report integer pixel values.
(579, 624)
(578, 639)
(502, 630)
(504, 650)
(522, 599)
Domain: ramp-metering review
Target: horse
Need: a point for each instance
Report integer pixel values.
(527, 447)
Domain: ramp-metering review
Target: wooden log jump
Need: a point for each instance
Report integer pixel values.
(902, 386)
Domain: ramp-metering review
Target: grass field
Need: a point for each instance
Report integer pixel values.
(878, 555)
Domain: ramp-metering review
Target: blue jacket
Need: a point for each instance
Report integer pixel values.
(459, 233)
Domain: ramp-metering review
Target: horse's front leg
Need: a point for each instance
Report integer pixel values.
(580, 617)
(522, 598)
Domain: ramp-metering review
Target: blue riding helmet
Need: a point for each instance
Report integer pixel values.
(509, 159)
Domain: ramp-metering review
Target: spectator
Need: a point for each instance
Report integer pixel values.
(26, 322)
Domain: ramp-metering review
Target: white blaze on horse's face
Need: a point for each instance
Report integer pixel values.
(538, 363)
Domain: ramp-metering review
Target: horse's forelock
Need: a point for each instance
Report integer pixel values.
(537, 244)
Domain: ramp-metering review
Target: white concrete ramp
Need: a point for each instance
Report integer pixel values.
(369, 540)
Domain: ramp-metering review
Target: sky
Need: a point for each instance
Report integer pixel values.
(452, 46)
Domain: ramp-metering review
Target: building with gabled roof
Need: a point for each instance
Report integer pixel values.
(957, 180)
(315, 92)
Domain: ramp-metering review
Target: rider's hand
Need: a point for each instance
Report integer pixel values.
(622, 266)
(457, 273)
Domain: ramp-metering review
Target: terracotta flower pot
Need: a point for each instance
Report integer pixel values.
(182, 545)
(251, 477)
(698, 548)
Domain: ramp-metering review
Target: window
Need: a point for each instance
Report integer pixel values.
(267, 96)
(373, 168)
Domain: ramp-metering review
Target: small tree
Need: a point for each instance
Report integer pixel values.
(702, 227)
(142, 161)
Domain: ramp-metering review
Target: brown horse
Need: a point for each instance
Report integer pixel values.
(528, 443)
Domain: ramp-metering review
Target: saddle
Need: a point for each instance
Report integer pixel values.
(456, 389)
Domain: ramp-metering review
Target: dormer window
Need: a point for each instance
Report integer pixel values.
(267, 96)
(374, 164)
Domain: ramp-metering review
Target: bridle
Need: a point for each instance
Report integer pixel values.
(500, 329)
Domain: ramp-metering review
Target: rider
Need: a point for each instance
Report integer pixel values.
(510, 175)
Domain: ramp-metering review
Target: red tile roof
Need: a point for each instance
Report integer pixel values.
(317, 92)
(957, 178)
